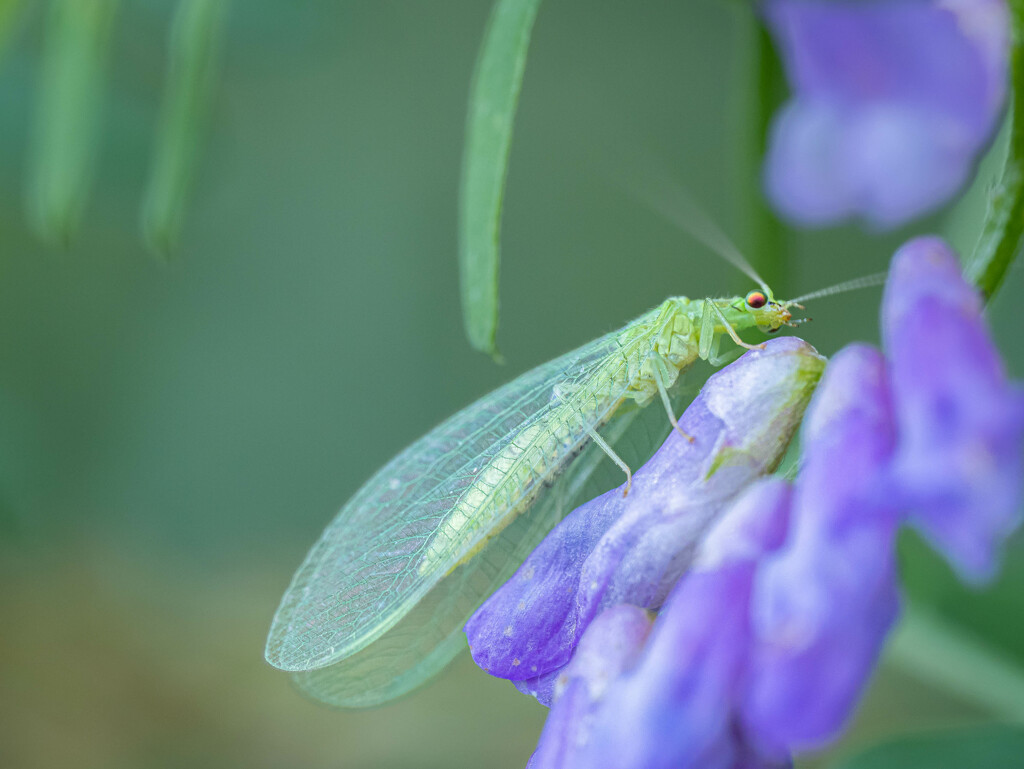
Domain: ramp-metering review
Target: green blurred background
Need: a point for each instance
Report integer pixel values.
(174, 436)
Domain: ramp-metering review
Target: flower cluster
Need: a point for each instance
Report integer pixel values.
(633, 549)
(892, 102)
(714, 619)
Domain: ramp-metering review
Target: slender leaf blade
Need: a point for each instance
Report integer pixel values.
(1002, 231)
(494, 95)
(191, 74)
(66, 129)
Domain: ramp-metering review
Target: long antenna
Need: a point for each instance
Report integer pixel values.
(848, 285)
(681, 209)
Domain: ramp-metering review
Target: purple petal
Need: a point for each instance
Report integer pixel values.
(562, 728)
(509, 634)
(821, 616)
(674, 709)
(541, 688)
(961, 421)
(611, 646)
(823, 604)
(755, 524)
(674, 706)
(892, 102)
(670, 702)
(613, 550)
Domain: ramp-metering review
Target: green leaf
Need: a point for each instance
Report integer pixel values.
(10, 17)
(492, 105)
(1003, 228)
(948, 656)
(66, 129)
(191, 74)
(980, 747)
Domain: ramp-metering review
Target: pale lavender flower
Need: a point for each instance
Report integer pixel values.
(614, 550)
(824, 603)
(767, 640)
(764, 646)
(671, 704)
(892, 102)
(961, 421)
(611, 646)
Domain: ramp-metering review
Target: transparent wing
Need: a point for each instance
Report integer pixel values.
(430, 635)
(362, 577)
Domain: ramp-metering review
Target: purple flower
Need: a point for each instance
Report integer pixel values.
(823, 605)
(671, 706)
(892, 102)
(765, 644)
(779, 596)
(614, 550)
(611, 647)
(958, 464)
(673, 709)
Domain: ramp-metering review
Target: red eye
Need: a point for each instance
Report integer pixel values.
(756, 299)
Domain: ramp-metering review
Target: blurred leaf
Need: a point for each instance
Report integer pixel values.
(995, 615)
(939, 652)
(66, 130)
(492, 106)
(191, 74)
(10, 15)
(1003, 228)
(982, 747)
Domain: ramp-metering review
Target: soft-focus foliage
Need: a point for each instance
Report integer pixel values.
(68, 115)
(192, 72)
(69, 123)
(991, 746)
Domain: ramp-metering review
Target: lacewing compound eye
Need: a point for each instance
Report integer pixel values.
(756, 299)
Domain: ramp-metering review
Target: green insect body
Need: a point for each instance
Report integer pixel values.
(651, 353)
(378, 604)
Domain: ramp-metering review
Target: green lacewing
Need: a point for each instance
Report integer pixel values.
(379, 603)
(431, 514)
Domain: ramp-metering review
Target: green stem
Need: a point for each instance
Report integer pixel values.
(772, 237)
(763, 90)
(940, 654)
(1003, 227)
